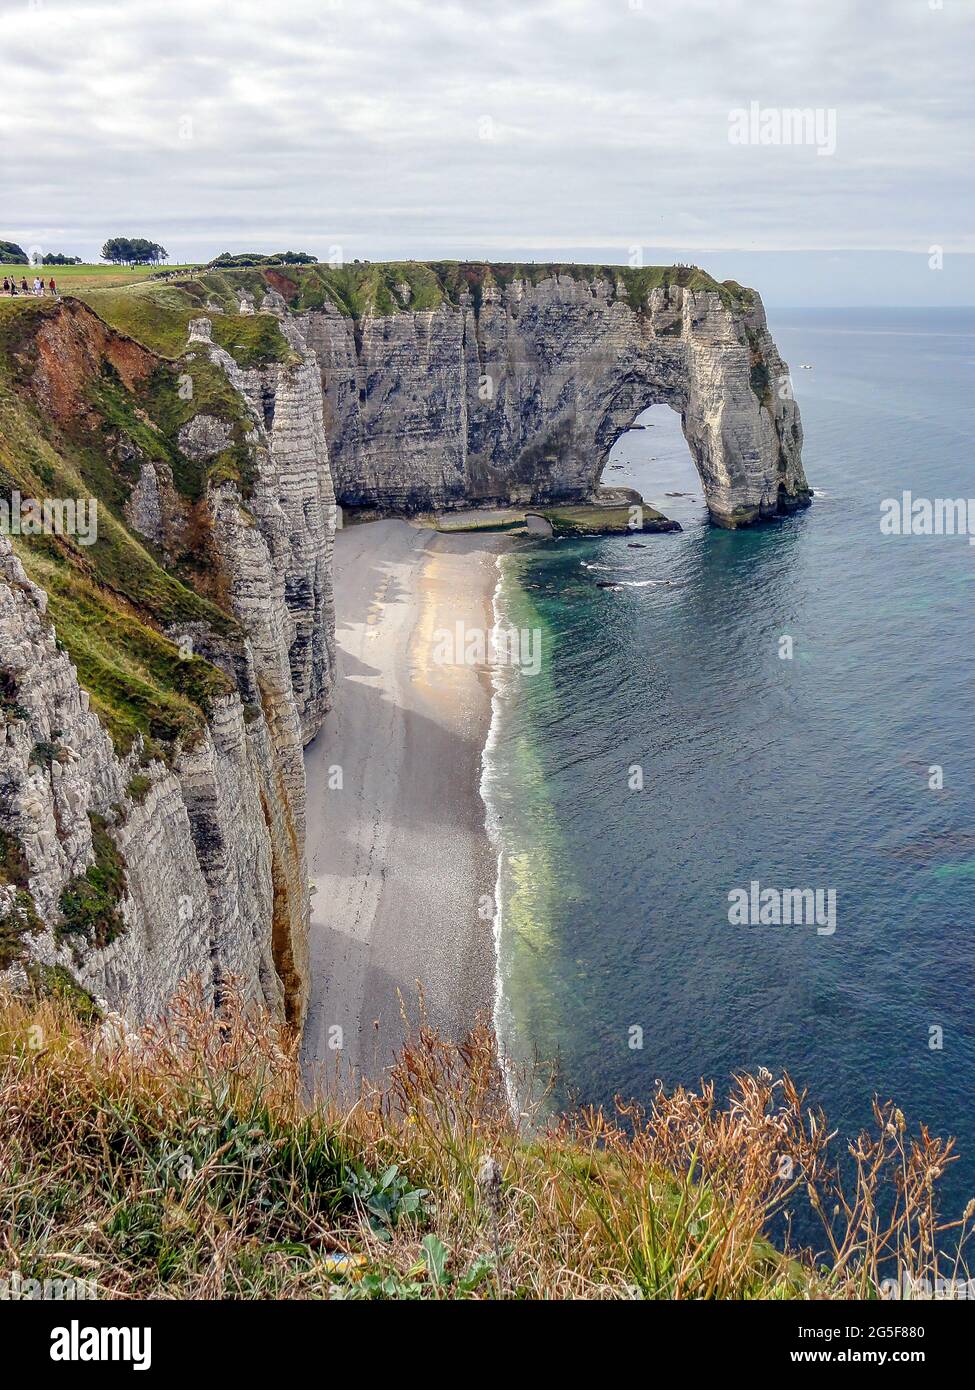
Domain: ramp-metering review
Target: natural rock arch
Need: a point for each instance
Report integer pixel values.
(520, 399)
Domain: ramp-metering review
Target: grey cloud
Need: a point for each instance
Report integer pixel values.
(309, 123)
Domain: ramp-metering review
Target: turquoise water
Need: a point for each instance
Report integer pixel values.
(810, 772)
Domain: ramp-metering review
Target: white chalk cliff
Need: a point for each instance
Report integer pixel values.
(521, 397)
(517, 395)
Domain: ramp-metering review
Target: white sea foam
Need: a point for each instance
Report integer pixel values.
(501, 682)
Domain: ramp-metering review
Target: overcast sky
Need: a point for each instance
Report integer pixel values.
(529, 129)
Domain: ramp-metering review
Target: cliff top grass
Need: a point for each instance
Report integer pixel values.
(183, 1161)
(364, 289)
(157, 314)
(155, 311)
(72, 278)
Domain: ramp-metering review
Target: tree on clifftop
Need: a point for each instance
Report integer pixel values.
(244, 259)
(12, 254)
(123, 250)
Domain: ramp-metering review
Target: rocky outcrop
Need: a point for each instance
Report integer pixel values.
(520, 398)
(292, 500)
(210, 850)
(46, 810)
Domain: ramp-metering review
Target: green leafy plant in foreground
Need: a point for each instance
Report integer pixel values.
(385, 1199)
(429, 1277)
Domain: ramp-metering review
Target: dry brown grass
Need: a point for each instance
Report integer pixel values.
(183, 1161)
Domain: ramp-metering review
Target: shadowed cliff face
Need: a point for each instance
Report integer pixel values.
(520, 396)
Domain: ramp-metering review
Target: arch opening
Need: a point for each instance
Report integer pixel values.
(653, 458)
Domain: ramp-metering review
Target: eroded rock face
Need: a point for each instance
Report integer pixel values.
(213, 847)
(522, 400)
(48, 810)
(155, 509)
(293, 502)
(204, 437)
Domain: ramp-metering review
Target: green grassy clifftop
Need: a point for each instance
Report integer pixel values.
(378, 288)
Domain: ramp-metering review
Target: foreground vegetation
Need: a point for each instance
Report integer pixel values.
(183, 1162)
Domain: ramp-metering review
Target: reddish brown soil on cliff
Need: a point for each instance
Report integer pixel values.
(284, 286)
(72, 348)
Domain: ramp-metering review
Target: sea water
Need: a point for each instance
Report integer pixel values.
(788, 706)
